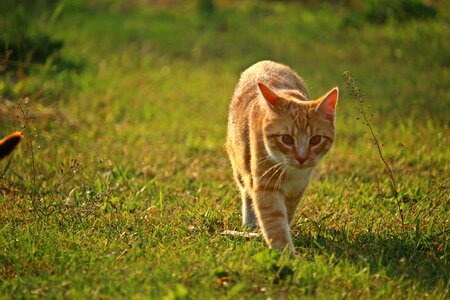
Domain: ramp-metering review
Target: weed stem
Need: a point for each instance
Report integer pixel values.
(357, 95)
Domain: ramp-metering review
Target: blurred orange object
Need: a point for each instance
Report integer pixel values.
(10, 142)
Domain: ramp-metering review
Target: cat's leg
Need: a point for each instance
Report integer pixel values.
(272, 216)
(291, 208)
(248, 213)
(292, 203)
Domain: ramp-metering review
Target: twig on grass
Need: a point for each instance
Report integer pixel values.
(241, 234)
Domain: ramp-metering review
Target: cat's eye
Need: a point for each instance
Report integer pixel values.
(287, 139)
(315, 140)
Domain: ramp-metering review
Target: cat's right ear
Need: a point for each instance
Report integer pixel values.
(268, 94)
(327, 105)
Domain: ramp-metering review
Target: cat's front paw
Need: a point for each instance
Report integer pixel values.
(284, 247)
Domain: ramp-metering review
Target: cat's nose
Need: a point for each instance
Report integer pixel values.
(301, 155)
(301, 159)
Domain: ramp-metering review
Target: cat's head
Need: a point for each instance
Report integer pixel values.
(298, 133)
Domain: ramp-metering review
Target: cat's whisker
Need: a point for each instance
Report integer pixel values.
(280, 179)
(268, 170)
(265, 160)
(276, 167)
(273, 174)
(277, 186)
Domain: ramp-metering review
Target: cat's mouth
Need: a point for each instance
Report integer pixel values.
(304, 166)
(297, 165)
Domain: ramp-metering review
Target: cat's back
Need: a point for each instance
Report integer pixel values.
(275, 75)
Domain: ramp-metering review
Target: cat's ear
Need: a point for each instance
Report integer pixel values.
(268, 94)
(327, 105)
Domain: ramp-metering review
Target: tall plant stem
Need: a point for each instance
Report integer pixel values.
(356, 94)
(26, 126)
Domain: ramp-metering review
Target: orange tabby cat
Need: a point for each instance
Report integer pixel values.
(276, 136)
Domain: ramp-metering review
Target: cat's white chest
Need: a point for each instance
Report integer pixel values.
(296, 180)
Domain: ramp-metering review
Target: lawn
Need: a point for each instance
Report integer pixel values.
(122, 186)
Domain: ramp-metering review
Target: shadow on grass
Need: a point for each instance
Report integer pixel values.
(417, 258)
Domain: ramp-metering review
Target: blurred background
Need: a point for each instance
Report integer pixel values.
(159, 74)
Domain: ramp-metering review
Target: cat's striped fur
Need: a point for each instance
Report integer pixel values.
(276, 136)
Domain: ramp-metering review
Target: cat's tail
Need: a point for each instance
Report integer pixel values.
(10, 142)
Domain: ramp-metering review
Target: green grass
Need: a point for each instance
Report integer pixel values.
(149, 98)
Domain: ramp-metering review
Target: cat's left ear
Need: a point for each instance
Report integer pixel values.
(268, 94)
(327, 105)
